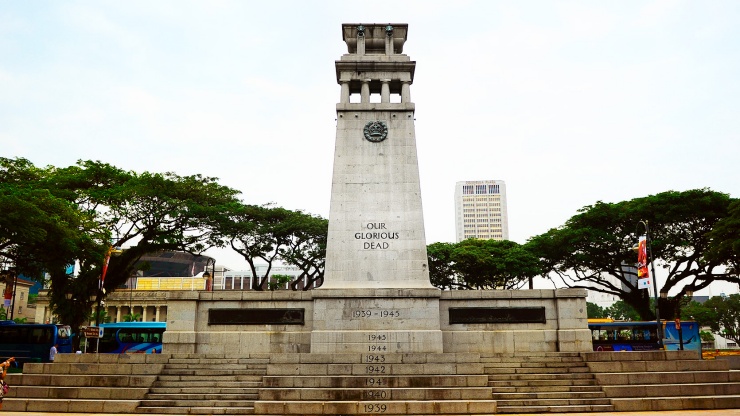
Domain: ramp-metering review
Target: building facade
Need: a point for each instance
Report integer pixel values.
(480, 210)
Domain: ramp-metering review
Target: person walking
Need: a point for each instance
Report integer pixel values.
(3, 385)
(53, 352)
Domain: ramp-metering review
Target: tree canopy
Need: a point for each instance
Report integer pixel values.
(481, 264)
(594, 248)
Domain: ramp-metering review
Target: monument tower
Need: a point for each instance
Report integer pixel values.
(376, 275)
(376, 225)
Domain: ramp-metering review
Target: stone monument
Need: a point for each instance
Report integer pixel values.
(376, 297)
(376, 293)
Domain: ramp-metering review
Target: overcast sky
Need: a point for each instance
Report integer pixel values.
(569, 102)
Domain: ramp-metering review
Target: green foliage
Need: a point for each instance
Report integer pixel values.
(595, 311)
(278, 281)
(20, 320)
(595, 245)
(481, 264)
(268, 234)
(724, 246)
(3, 314)
(54, 217)
(726, 313)
(622, 311)
(706, 336)
(103, 317)
(131, 317)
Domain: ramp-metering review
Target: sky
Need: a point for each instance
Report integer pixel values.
(568, 102)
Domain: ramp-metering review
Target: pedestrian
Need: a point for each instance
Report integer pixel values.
(3, 385)
(53, 352)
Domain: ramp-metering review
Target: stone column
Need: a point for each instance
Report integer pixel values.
(365, 92)
(405, 92)
(385, 91)
(344, 93)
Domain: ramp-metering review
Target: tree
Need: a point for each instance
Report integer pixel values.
(622, 311)
(724, 246)
(76, 214)
(131, 317)
(441, 266)
(595, 245)
(306, 249)
(594, 311)
(481, 264)
(726, 314)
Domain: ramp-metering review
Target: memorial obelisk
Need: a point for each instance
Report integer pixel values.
(376, 284)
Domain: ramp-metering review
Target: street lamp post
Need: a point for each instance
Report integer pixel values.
(648, 243)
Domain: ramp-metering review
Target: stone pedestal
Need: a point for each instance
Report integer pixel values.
(376, 321)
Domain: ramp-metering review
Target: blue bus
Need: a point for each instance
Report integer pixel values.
(642, 336)
(32, 342)
(132, 337)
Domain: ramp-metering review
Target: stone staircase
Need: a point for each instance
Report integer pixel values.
(664, 380)
(544, 383)
(608, 381)
(389, 384)
(84, 383)
(211, 385)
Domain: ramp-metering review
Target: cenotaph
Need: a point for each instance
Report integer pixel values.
(376, 291)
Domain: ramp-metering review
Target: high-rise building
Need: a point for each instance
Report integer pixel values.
(480, 210)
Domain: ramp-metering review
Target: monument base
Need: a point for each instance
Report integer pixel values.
(379, 320)
(376, 321)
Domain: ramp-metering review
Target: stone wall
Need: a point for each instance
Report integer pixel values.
(188, 330)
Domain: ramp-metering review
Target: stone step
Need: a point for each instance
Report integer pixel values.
(379, 381)
(539, 383)
(380, 394)
(663, 366)
(549, 395)
(546, 389)
(212, 372)
(555, 409)
(536, 370)
(199, 389)
(430, 407)
(12, 404)
(634, 404)
(553, 402)
(209, 396)
(196, 410)
(389, 358)
(195, 403)
(78, 393)
(206, 384)
(210, 378)
(509, 359)
(215, 366)
(88, 380)
(535, 364)
(375, 369)
(541, 376)
(668, 390)
(667, 377)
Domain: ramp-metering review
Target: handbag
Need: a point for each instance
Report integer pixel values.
(6, 387)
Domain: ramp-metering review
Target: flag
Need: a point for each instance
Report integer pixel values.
(643, 283)
(642, 270)
(105, 267)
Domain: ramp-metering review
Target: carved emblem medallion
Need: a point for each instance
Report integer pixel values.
(375, 131)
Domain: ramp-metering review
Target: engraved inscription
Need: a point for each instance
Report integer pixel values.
(375, 238)
(375, 382)
(375, 369)
(369, 313)
(375, 408)
(377, 394)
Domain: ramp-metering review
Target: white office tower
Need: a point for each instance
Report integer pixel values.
(480, 210)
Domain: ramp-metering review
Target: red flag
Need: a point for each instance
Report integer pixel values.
(642, 270)
(105, 267)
